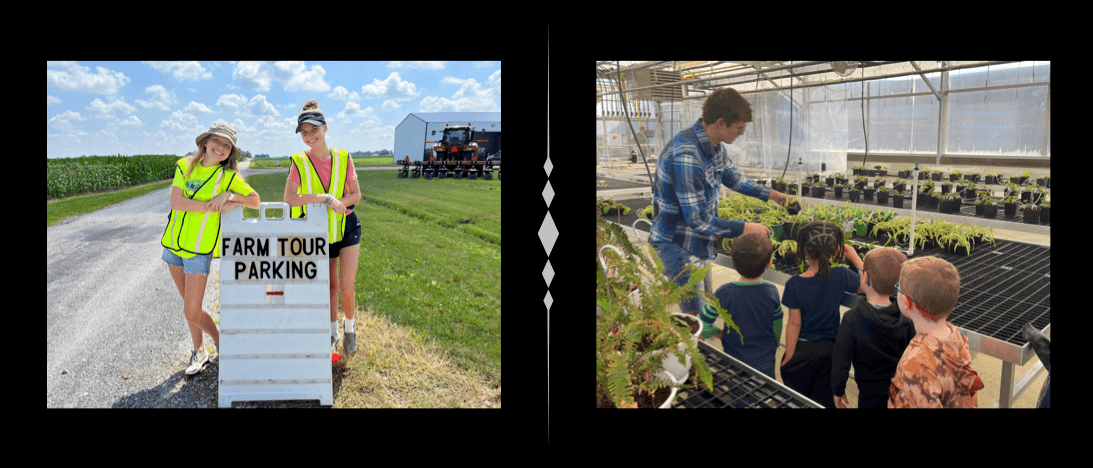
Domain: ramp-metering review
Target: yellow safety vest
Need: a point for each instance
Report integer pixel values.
(311, 184)
(196, 232)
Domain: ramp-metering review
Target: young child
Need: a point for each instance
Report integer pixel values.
(935, 370)
(753, 304)
(873, 334)
(813, 300)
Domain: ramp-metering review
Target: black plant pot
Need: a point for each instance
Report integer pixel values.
(897, 201)
(945, 206)
(854, 195)
(1032, 215)
(882, 197)
(838, 192)
(1010, 209)
(869, 193)
(990, 211)
(818, 191)
(1045, 213)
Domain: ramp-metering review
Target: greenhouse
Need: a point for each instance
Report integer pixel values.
(803, 234)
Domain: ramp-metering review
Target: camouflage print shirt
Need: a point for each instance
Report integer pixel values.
(935, 373)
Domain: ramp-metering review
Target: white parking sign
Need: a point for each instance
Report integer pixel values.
(275, 307)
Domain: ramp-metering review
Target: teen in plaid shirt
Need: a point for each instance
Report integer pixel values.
(690, 171)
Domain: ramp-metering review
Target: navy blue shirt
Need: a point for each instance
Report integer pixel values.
(755, 309)
(819, 301)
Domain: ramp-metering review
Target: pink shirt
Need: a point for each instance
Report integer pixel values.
(323, 169)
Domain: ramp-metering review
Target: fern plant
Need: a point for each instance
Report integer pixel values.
(629, 327)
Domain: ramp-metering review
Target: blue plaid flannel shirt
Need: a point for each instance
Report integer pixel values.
(688, 182)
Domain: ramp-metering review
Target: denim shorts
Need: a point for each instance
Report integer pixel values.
(197, 264)
(675, 259)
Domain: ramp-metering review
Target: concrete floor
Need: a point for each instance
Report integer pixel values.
(989, 368)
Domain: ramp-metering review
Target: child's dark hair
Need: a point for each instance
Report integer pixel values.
(751, 254)
(823, 241)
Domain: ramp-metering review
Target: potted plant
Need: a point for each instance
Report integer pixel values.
(946, 204)
(1045, 212)
(1031, 214)
(773, 219)
(897, 199)
(1023, 178)
(970, 190)
(882, 196)
(631, 328)
(1010, 204)
(792, 224)
(977, 234)
(954, 176)
(869, 193)
(900, 185)
(954, 240)
(935, 174)
(992, 178)
(990, 210)
(607, 206)
(787, 250)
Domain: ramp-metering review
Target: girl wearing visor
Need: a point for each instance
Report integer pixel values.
(206, 184)
(326, 175)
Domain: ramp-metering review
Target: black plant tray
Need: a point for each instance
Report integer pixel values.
(967, 209)
(737, 385)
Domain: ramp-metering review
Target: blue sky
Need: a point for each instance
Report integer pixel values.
(101, 108)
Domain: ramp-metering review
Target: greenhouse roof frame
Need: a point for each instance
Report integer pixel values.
(752, 77)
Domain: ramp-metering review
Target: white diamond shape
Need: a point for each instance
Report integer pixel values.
(548, 273)
(548, 193)
(548, 233)
(548, 301)
(548, 166)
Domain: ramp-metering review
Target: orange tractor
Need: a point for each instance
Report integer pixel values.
(456, 155)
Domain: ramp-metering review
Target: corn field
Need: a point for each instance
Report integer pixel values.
(73, 176)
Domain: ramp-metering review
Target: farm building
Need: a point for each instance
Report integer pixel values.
(417, 132)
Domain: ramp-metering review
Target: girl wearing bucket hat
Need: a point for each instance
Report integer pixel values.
(325, 175)
(206, 184)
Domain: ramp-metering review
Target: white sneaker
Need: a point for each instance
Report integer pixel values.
(197, 361)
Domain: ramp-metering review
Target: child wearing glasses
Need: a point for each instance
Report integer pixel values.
(873, 334)
(935, 370)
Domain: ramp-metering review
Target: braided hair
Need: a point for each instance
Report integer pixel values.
(823, 241)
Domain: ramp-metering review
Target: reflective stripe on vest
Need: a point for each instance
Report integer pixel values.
(205, 220)
(339, 166)
(184, 233)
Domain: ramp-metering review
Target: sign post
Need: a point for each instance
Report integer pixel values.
(275, 307)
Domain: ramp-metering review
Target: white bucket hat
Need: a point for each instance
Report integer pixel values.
(224, 130)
